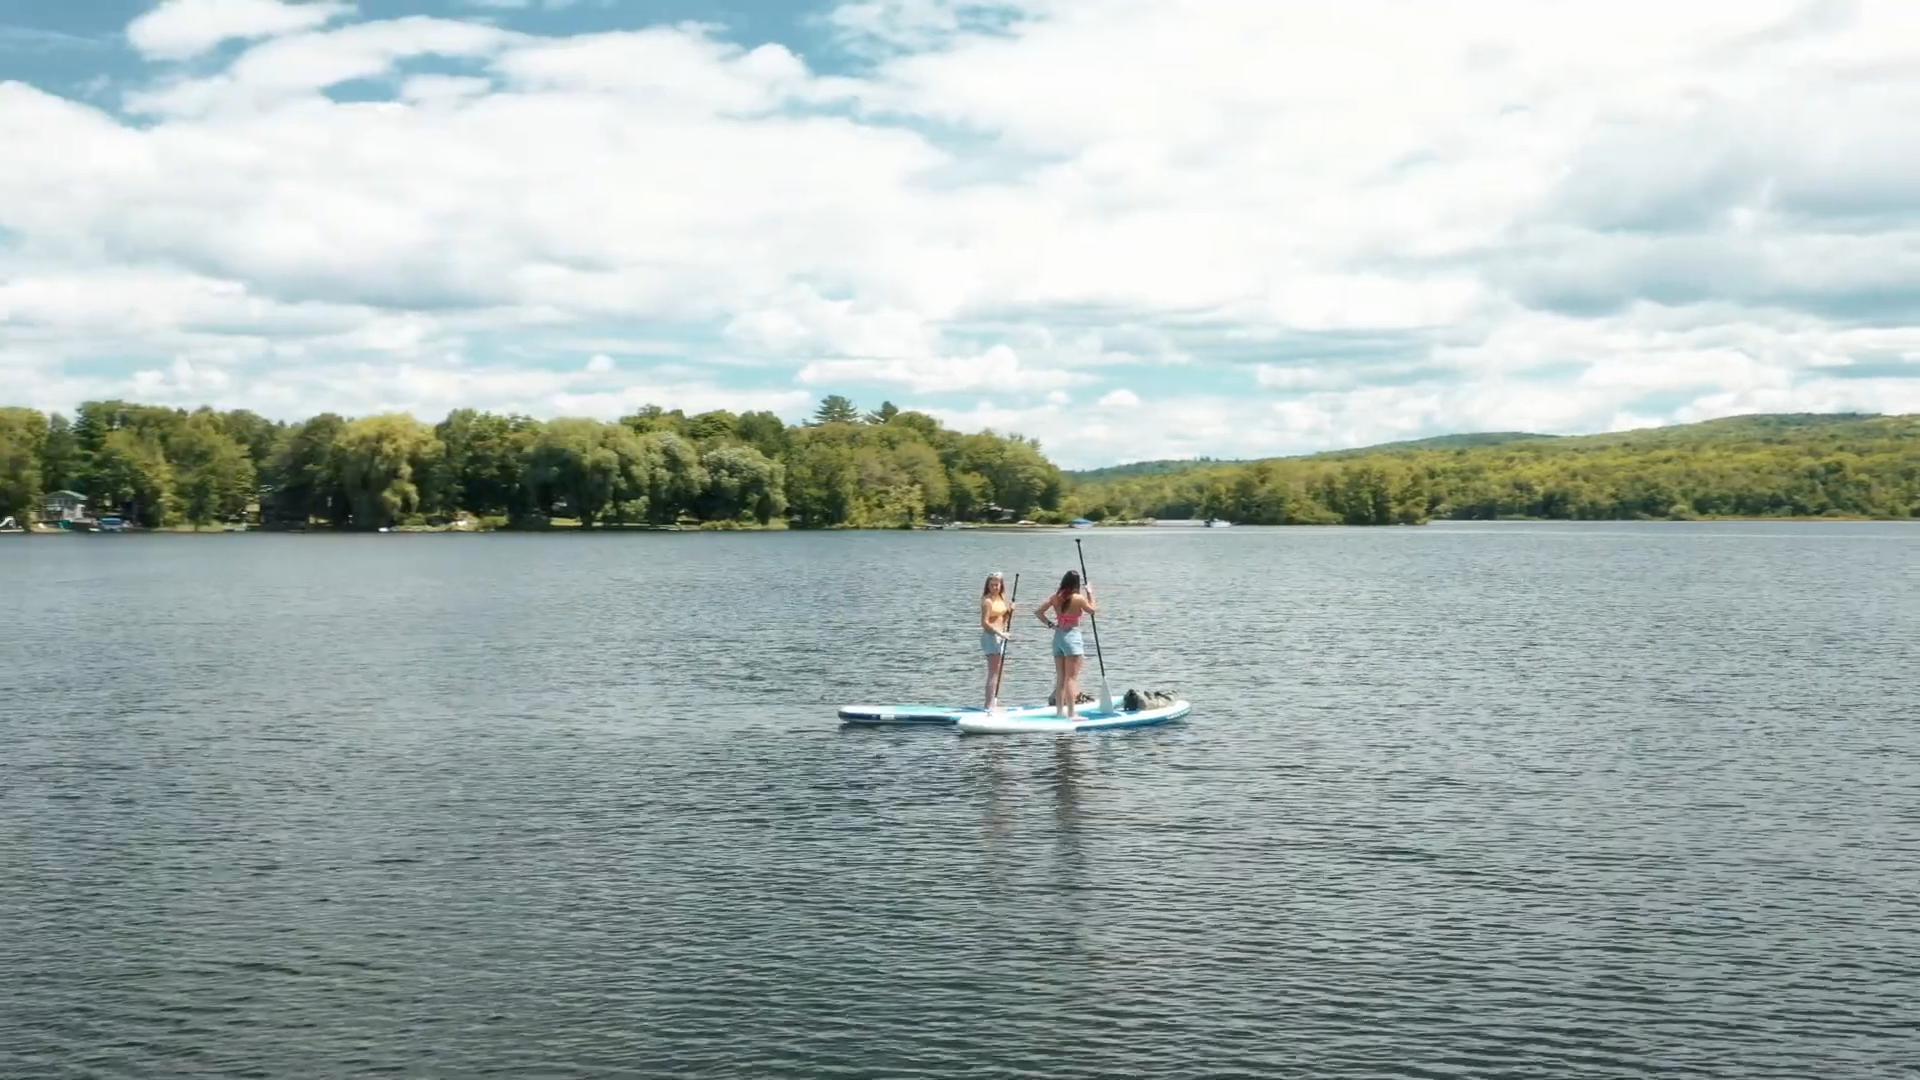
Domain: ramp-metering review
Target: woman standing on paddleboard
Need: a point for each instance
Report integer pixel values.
(996, 624)
(1069, 655)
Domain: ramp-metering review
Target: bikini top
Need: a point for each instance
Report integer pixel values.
(1065, 621)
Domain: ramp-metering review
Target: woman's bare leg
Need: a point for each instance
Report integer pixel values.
(993, 680)
(1060, 701)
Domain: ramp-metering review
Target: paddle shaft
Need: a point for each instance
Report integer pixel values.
(1106, 695)
(1006, 645)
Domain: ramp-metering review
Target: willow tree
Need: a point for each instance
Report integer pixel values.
(381, 463)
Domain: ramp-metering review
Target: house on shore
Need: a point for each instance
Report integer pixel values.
(64, 506)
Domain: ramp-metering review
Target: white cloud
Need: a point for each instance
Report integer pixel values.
(667, 67)
(1182, 427)
(1340, 222)
(302, 65)
(999, 368)
(183, 29)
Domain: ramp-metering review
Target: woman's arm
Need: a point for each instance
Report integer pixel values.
(1041, 611)
(1086, 600)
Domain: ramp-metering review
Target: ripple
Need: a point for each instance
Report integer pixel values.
(1453, 803)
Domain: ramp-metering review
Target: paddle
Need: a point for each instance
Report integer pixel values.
(1106, 695)
(1000, 680)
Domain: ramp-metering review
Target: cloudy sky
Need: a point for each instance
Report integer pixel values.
(1129, 228)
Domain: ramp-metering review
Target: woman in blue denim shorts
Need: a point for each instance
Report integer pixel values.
(1069, 654)
(996, 624)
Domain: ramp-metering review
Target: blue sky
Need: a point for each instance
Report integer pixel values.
(1129, 229)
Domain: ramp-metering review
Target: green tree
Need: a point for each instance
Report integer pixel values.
(652, 418)
(95, 420)
(258, 436)
(484, 468)
(742, 484)
(23, 441)
(822, 481)
(61, 459)
(835, 409)
(213, 475)
(380, 462)
(713, 426)
(582, 468)
(131, 478)
(1023, 480)
(764, 432)
(678, 481)
(306, 466)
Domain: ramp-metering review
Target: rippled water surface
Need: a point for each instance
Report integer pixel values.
(1496, 801)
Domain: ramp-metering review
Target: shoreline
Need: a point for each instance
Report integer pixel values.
(782, 527)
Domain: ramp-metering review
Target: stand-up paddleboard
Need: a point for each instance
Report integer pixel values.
(1047, 722)
(929, 714)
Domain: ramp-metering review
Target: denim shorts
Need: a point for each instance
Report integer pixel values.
(1066, 641)
(990, 644)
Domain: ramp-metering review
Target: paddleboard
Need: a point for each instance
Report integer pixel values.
(929, 714)
(1085, 719)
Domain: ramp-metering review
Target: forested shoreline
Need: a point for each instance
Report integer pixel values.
(160, 467)
(1766, 466)
(846, 468)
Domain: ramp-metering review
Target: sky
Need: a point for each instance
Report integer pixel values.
(1130, 229)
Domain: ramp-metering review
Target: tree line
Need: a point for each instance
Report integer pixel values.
(845, 467)
(1796, 465)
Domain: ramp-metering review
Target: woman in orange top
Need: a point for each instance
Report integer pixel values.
(996, 625)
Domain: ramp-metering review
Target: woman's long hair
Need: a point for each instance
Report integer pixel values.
(987, 589)
(1069, 586)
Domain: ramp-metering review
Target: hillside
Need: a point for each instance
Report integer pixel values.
(1772, 465)
(1160, 467)
(1167, 466)
(1436, 442)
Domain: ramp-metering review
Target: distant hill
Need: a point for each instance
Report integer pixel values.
(1168, 466)
(1148, 468)
(1754, 425)
(1437, 442)
(1761, 465)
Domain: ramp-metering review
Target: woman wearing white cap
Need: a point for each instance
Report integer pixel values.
(996, 623)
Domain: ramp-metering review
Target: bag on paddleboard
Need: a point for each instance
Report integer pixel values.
(1082, 698)
(1135, 700)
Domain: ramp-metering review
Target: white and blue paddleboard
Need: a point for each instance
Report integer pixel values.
(1046, 722)
(874, 715)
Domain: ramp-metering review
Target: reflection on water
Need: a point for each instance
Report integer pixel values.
(1068, 767)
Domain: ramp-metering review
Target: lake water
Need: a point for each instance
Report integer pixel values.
(1461, 801)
